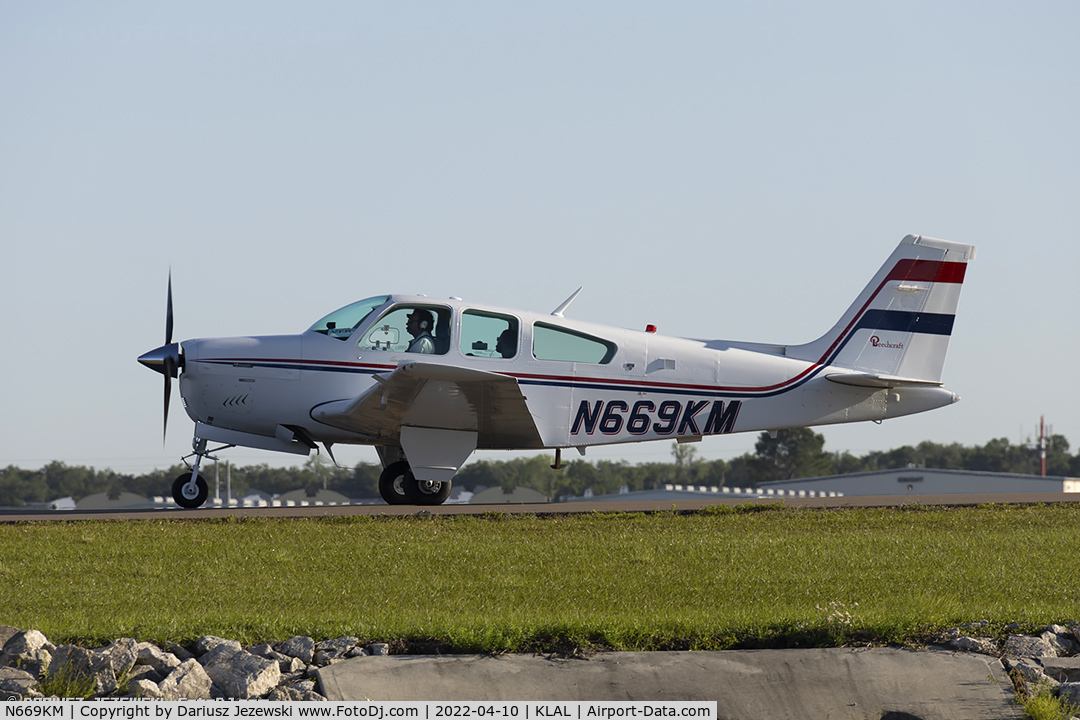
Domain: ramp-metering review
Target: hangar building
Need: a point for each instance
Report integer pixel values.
(925, 481)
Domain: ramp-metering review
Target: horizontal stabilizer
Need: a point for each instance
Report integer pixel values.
(879, 381)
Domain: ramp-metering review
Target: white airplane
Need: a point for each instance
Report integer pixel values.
(429, 381)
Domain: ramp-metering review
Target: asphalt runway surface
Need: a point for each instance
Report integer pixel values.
(566, 508)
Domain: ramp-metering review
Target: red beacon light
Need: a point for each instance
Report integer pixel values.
(650, 328)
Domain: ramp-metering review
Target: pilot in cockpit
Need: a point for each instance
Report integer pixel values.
(506, 344)
(419, 324)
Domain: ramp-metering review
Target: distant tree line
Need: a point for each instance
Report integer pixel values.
(791, 454)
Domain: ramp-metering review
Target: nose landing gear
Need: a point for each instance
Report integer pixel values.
(190, 490)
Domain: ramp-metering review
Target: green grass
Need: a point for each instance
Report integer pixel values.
(773, 577)
(1046, 706)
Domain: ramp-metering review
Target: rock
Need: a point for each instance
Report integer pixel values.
(178, 650)
(145, 688)
(6, 633)
(330, 650)
(27, 641)
(292, 666)
(1034, 675)
(1060, 639)
(1070, 693)
(119, 656)
(986, 646)
(283, 694)
(28, 650)
(71, 659)
(303, 685)
(14, 680)
(379, 649)
(208, 642)
(151, 655)
(220, 653)
(241, 674)
(187, 682)
(299, 646)
(105, 682)
(1062, 669)
(266, 650)
(1025, 646)
(286, 663)
(290, 693)
(145, 672)
(37, 662)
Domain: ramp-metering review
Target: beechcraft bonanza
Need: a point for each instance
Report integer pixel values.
(427, 381)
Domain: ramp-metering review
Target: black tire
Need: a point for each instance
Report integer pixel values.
(190, 502)
(392, 482)
(426, 492)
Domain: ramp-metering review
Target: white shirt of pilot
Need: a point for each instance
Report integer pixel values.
(422, 343)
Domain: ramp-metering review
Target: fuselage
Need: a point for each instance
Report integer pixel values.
(583, 384)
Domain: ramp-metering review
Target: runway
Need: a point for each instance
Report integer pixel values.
(566, 508)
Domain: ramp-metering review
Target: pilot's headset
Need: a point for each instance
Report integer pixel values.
(423, 319)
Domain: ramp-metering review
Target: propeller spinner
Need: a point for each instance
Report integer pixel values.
(166, 359)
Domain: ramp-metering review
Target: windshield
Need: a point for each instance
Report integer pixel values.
(341, 323)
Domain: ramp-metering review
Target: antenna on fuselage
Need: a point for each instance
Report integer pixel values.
(558, 312)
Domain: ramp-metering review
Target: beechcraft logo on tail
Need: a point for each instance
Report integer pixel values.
(671, 417)
(878, 342)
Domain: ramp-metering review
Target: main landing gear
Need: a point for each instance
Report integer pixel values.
(398, 486)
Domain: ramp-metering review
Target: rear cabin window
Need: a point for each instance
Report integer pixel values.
(556, 343)
(486, 334)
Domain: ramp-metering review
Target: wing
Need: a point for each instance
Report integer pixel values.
(428, 395)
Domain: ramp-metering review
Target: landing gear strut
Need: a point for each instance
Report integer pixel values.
(191, 490)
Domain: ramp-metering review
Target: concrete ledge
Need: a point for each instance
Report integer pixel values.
(838, 683)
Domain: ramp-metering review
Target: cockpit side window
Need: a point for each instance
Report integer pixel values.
(487, 334)
(341, 323)
(551, 342)
(420, 329)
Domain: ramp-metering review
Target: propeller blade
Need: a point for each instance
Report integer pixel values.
(168, 394)
(168, 313)
(170, 361)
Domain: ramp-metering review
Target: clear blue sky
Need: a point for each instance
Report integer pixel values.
(731, 170)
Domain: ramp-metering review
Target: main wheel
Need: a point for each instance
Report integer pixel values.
(426, 492)
(392, 482)
(183, 494)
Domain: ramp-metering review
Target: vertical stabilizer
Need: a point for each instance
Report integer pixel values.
(901, 323)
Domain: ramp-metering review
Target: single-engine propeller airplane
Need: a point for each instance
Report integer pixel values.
(428, 381)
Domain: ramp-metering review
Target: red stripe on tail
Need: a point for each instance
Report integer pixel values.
(928, 271)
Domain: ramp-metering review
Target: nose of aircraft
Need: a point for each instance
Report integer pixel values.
(165, 359)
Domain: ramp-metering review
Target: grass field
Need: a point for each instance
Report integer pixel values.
(747, 577)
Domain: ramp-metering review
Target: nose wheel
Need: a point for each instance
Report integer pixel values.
(190, 489)
(189, 493)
